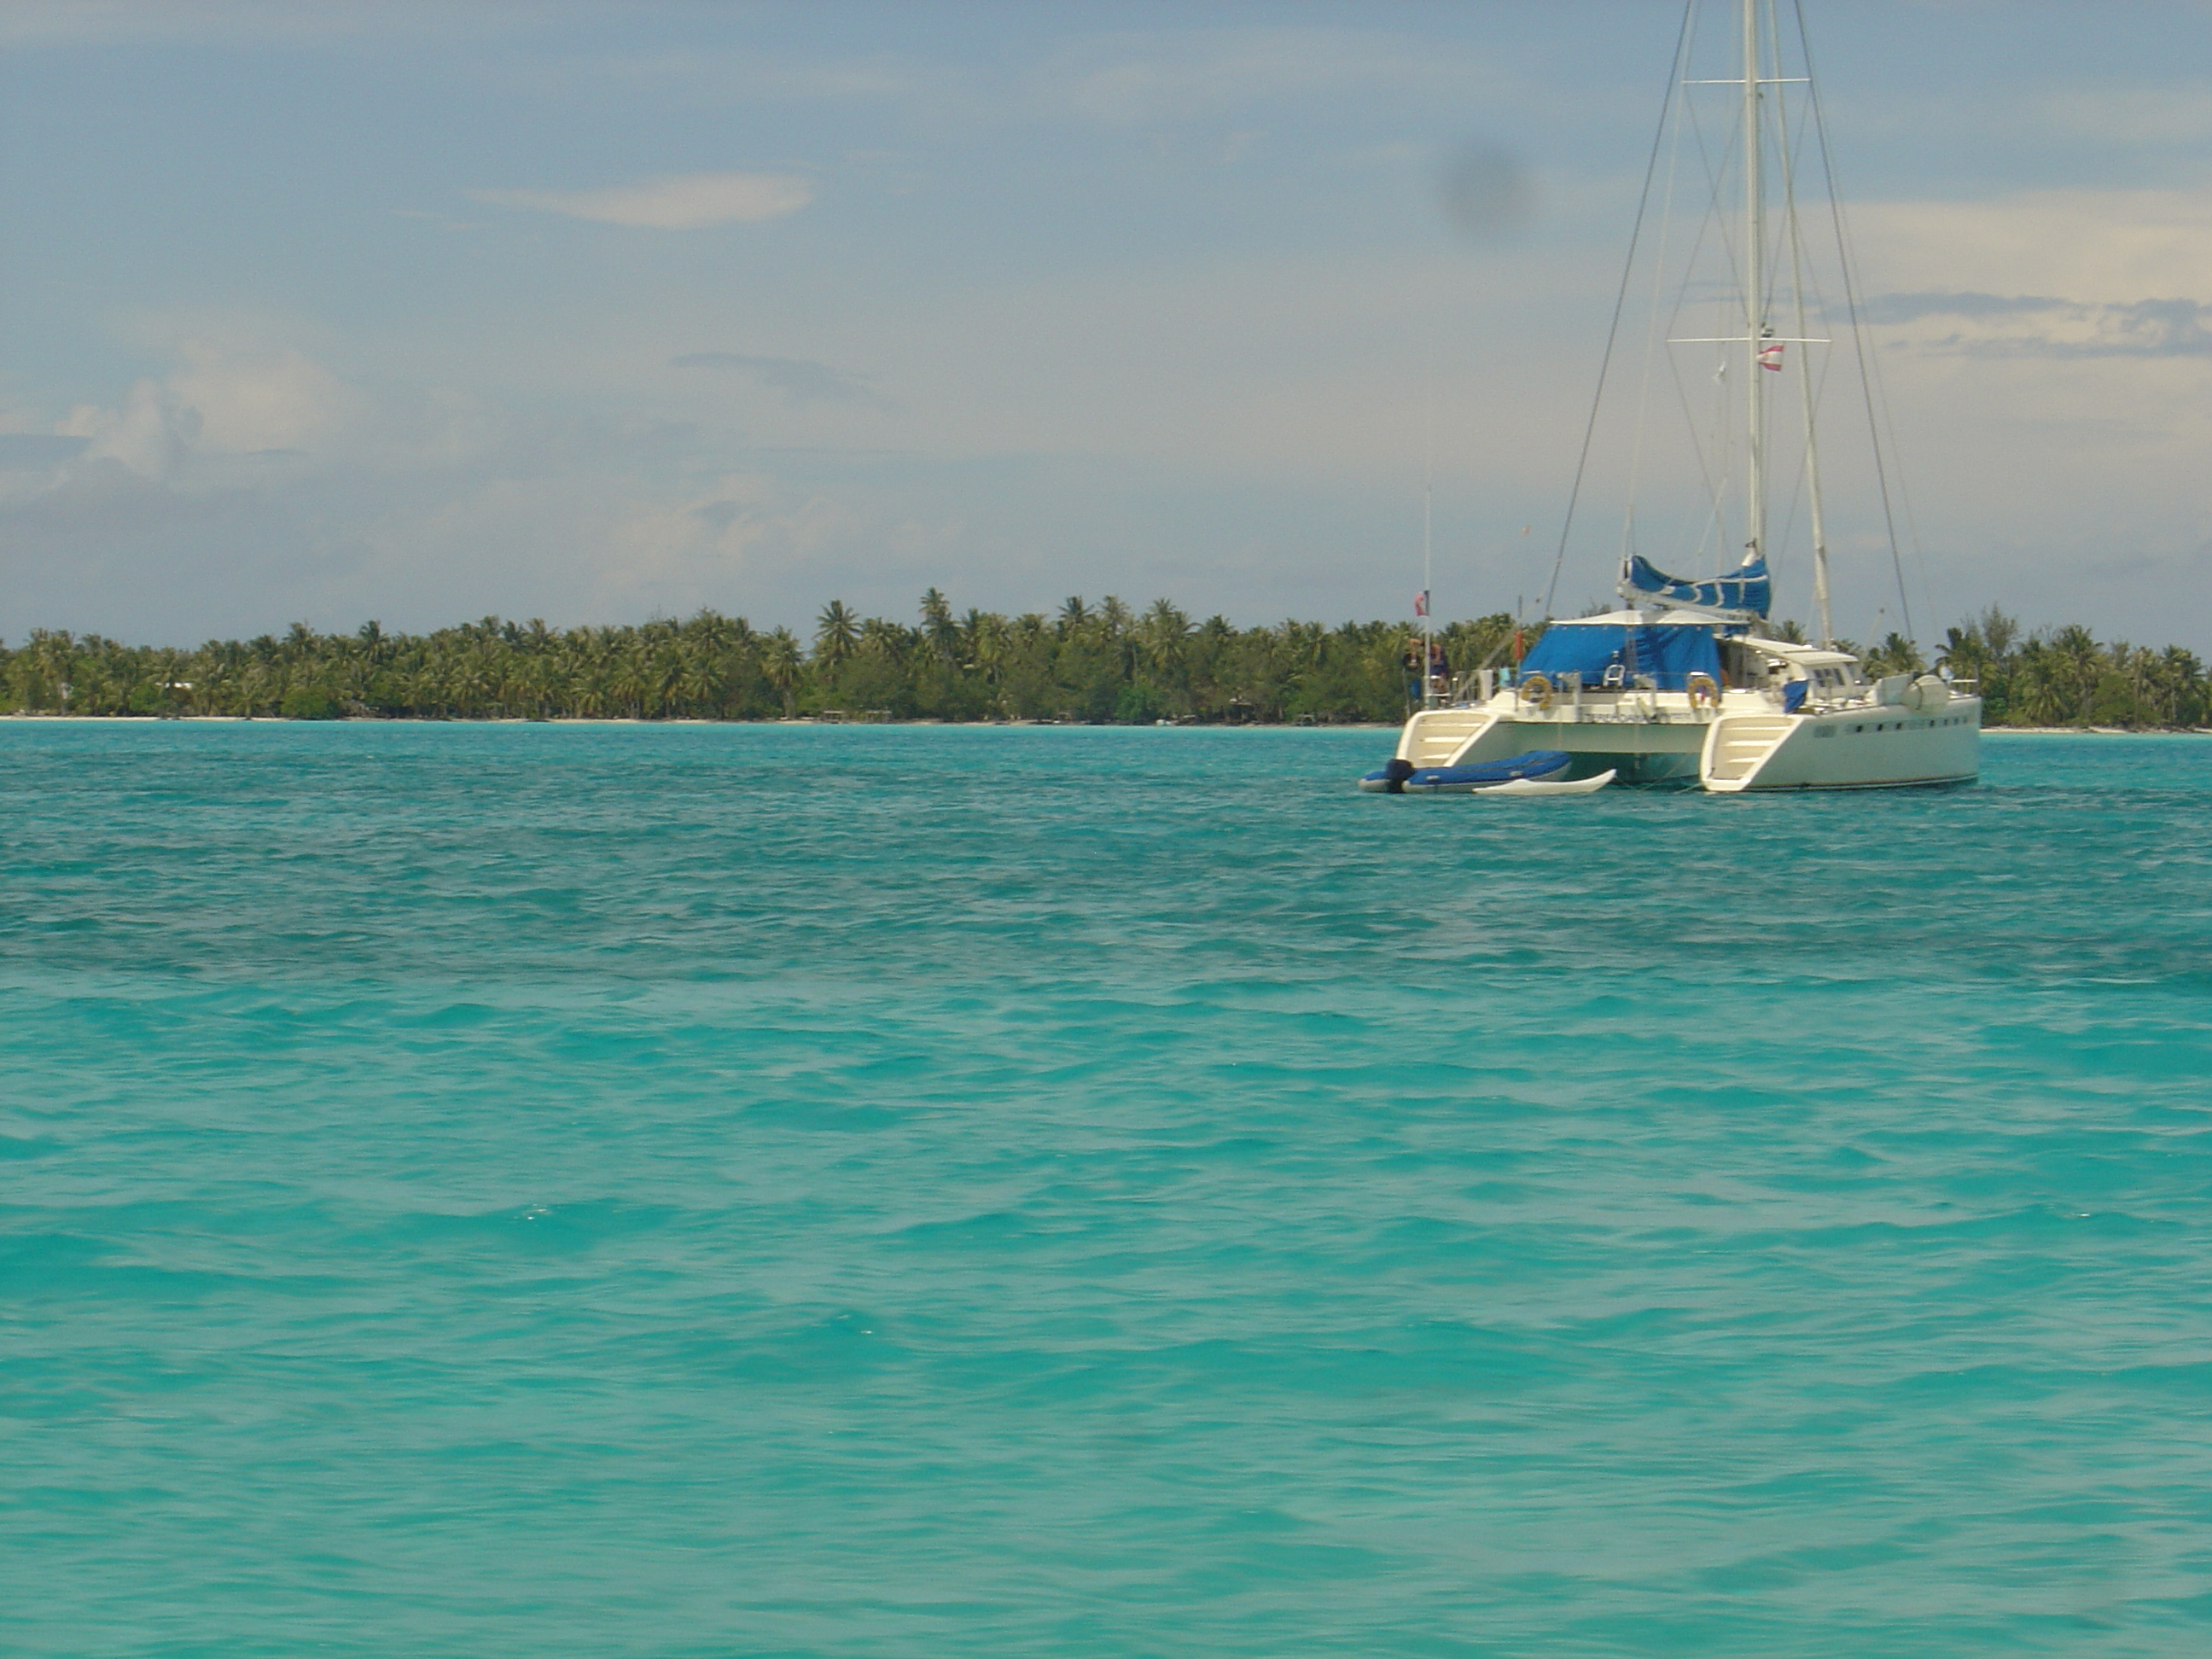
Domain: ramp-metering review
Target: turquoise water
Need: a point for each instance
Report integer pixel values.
(706, 1191)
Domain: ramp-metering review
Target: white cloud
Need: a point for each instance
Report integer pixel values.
(2090, 246)
(244, 403)
(741, 525)
(2033, 325)
(691, 201)
(148, 433)
(218, 402)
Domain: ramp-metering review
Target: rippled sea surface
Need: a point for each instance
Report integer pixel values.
(696, 1191)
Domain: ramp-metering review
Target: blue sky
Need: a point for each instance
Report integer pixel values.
(329, 312)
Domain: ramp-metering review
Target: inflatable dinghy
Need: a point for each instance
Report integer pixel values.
(1534, 773)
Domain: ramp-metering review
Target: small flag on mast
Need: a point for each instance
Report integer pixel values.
(1421, 603)
(1770, 354)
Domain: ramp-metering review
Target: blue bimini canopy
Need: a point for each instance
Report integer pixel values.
(1747, 588)
(1665, 653)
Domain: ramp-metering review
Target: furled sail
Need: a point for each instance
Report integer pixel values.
(1746, 588)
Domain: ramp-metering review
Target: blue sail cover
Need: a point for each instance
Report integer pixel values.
(1668, 654)
(1749, 588)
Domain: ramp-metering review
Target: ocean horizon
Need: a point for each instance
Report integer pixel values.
(673, 1188)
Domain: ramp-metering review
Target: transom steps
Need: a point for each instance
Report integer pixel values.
(1742, 742)
(1435, 736)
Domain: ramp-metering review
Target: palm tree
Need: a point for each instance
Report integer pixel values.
(886, 639)
(699, 682)
(52, 654)
(256, 689)
(836, 633)
(1160, 640)
(595, 688)
(986, 644)
(782, 664)
(2181, 684)
(2038, 680)
(2080, 665)
(937, 626)
(2000, 632)
(1895, 655)
(629, 679)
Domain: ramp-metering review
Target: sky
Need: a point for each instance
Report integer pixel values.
(331, 312)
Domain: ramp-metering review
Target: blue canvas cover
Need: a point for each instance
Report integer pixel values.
(1402, 775)
(1748, 588)
(1536, 763)
(1668, 654)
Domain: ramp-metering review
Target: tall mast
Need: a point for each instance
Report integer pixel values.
(1754, 287)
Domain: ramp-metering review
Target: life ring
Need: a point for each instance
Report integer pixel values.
(1703, 689)
(1536, 690)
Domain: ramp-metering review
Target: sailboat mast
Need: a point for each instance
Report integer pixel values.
(1754, 288)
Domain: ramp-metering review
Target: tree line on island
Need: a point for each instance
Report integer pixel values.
(1105, 664)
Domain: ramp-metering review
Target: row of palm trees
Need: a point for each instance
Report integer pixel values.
(2066, 677)
(1096, 664)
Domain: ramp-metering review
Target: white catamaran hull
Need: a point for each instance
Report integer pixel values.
(1875, 748)
(1746, 744)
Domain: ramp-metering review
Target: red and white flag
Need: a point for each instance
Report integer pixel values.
(1770, 354)
(1421, 603)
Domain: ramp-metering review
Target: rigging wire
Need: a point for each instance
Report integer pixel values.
(1808, 477)
(1690, 423)
(1693, 426)
(1904, 490)
(1851, 308)
(1816, 388)
(1613, 330)
(1651, 335)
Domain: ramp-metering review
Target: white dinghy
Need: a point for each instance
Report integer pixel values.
(1540, 772)
(1521, 788)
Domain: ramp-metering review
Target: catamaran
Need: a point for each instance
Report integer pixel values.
(1687, 680)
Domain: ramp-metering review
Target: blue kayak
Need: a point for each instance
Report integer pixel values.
(1401, 777)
